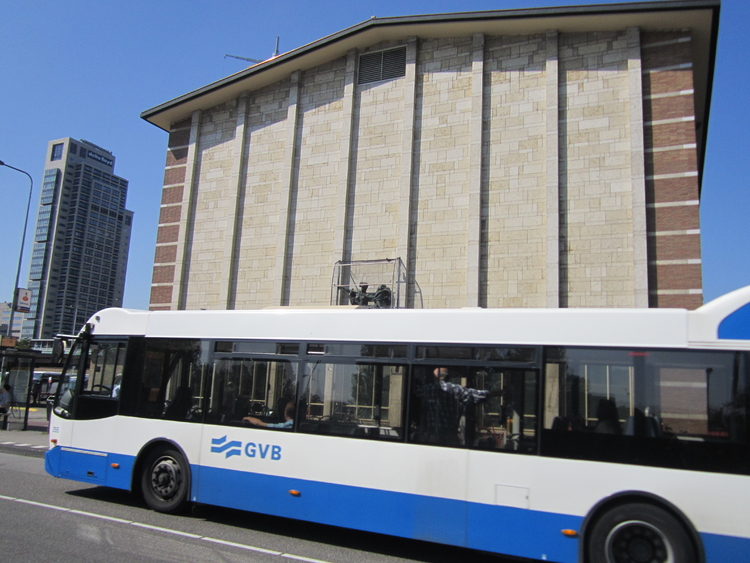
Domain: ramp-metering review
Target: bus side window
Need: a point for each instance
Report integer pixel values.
(612, 404)
(588, 390)
(242, 388)
(172, 380)
(489, 408)
(507, 419)
(356, 399)
(441, 398)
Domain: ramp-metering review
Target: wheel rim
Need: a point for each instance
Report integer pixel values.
(636, 541)
(166, 477)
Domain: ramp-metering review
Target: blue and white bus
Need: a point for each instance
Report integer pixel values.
(596, 435)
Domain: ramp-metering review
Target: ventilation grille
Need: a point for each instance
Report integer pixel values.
(382, 65)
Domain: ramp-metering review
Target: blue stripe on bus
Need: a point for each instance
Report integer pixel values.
(478, 526)
(500, 529)
(736, 325)
(726, 548)
(90, 467)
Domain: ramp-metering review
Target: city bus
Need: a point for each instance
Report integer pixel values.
(569, 435)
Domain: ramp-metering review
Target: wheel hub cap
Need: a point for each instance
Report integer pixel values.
(638, 542)
(165, 478)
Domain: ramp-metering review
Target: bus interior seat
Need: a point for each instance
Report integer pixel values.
(559, 424)
(639, 424)
(256, 407)
(180, 405)
(241, 407)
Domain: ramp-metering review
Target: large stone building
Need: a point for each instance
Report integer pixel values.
(522, 158)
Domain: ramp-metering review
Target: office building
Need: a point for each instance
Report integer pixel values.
(5, 319)
(81, 241)
(516, 158)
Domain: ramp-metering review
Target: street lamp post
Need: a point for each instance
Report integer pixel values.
(23, 240)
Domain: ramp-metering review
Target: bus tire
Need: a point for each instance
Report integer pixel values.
(165, 481)
(639, 532)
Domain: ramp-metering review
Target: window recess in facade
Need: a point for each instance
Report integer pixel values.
(382, 65)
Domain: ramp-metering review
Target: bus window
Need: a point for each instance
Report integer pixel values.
(475, 406)
(104, 368)
(66, 391)
(611, 399)
(353, 399)
(243, 390)
(702, 394)
(95, 398)
(172, 379)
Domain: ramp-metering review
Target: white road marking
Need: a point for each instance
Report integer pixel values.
(164, 530)
(19, 445)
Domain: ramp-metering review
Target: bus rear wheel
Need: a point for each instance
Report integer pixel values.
(639, 533)
(165, 481)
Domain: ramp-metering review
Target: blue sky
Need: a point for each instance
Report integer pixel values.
(86, 69)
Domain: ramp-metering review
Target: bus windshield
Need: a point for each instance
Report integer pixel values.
(66, 393)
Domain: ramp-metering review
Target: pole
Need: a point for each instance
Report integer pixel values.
(20, 254)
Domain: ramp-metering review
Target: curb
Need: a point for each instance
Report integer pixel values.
(20, 448)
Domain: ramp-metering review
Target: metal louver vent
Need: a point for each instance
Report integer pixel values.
(382, 65)
(370, 67)
(394, 63)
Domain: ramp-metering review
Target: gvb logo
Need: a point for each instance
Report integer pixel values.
(221, 446)
(251, 449)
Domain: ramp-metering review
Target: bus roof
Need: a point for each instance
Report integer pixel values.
(724, 322)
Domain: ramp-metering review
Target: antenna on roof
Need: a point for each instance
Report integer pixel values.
(256, 61)
(243, 58)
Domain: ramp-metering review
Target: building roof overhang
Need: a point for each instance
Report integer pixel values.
(700, 16)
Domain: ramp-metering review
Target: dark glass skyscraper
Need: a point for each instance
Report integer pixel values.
(81, 241)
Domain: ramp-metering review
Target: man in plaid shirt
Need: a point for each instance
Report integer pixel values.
(442, 406)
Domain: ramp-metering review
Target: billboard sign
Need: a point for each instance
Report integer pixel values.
(23, 300)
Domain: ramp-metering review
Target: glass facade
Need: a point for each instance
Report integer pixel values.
(5, 319)
(82, 232)
(57, 152)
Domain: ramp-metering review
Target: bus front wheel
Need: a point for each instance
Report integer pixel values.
(165, 481)
(639, 533)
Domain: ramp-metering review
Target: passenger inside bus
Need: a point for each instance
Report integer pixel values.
(607, 419)
(287, 424)
(443, 407)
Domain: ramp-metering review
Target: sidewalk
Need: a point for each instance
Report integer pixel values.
(33, 441)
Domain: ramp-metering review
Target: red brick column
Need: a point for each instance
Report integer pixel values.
(672, 190)
(165, 258)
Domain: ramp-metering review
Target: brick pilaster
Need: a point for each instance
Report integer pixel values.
(672, 192)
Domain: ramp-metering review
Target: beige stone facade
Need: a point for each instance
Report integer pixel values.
(504, 169)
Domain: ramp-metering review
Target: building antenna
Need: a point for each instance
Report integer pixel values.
(243, 58)
(256, 61)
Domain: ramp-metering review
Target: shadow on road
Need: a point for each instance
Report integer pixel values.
(309, 531)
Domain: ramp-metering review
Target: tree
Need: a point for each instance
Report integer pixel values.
(23, 344)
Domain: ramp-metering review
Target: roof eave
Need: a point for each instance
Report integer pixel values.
(700, 15)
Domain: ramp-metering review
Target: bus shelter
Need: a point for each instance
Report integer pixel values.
(18, 371)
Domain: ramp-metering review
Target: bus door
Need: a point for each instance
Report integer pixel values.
(65, 393)
(502, 431)
(462, 399)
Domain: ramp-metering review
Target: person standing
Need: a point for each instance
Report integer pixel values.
(442, 406)
(5, 399)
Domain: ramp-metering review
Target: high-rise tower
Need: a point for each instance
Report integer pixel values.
(81, 240)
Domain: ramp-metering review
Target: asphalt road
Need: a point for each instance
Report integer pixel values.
(43, 518)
